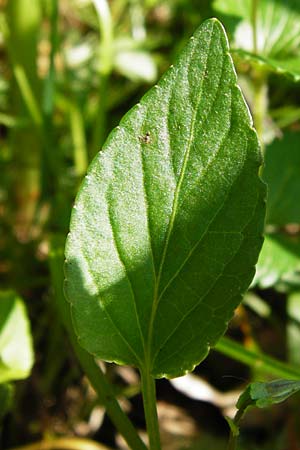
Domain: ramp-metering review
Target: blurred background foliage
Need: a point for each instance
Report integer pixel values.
(69, 70)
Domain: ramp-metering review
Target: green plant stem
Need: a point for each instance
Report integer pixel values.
(106, 30)
(97, 378)
(263, 363)
(105, 68)
(149, 399)
(79, 140)
(50, 156)
(260, 86)
(106, 396)
(49, 87)
(234, 430)
(21, 32)
(100, 124)
(137, 17)
(255, 4)
(232, 441)
(233, 437)
(28, 95)
(260, 103)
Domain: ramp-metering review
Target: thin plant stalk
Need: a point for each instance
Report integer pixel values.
(50, 158)
(260, 104)
(49, 86)
(105, 68)
(28, 95)
(233, 437)
(232, 442)
(22, 38)
(79, 139)
(259, 79)
(265, 364)
(254, 11)
(106, 31)
(137, 17)
(100, 124)
(149, 400)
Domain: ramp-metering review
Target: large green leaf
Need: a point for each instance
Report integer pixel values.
(167, 225)
(16, 353)
(278, 33)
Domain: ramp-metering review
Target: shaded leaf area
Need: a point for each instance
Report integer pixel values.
(279, 261)
(282, 175)
(167, 225)
(278, 33)
(16, 353)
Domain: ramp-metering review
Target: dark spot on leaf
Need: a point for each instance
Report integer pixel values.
(146, 139)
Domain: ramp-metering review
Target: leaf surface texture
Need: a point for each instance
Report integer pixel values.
(167, 226)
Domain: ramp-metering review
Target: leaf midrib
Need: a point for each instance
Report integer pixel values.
(174, 207)
(198, 242)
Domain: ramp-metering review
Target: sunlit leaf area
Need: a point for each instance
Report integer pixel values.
(149, 224)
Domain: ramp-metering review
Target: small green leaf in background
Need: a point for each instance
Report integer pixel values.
(290, 66)
(16, 352)
(278, 31)
(282, 175)
(279, 260)
(167, 225)
(266, 394)
(260, 395)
